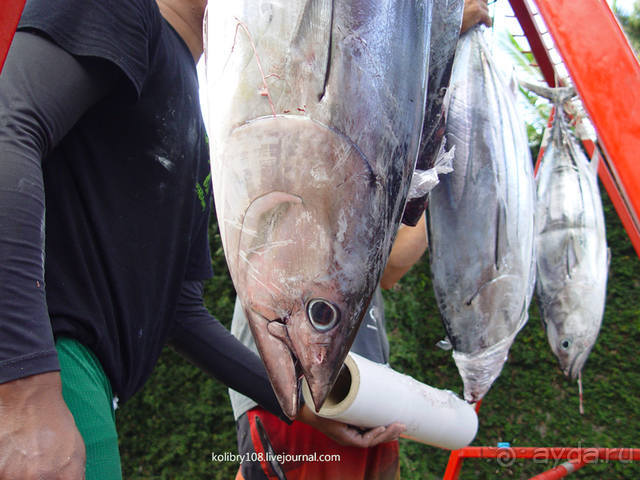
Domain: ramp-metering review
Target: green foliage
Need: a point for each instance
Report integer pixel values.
(631, 25)
(170, 429)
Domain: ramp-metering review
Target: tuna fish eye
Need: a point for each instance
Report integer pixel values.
(565, 344)
(322, 314)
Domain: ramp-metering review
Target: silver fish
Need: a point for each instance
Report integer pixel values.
(481, 220)
(315, 115)
(445, 31)
(572, 258)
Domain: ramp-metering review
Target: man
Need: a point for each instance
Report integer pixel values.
(100, 122)
(378, 462)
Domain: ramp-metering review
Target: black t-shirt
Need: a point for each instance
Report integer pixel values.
(127, 189)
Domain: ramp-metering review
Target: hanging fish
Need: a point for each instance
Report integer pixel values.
(314, 125)
(445, 31)
(572, 254)
(481, 242)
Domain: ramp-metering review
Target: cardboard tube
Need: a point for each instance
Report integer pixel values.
(368, 394)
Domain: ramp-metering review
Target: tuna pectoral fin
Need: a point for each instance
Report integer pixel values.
(307, 52)
(502, 239)
(495, 296)
(573, 254)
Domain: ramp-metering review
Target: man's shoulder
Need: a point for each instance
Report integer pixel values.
(123, 32)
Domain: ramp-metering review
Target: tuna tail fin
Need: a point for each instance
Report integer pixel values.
(557, 95)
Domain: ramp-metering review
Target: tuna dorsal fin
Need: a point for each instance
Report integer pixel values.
(314, 29)
(572, 254)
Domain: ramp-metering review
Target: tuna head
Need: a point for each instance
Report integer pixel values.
(316, 108)
(301, 247)
(571, 333)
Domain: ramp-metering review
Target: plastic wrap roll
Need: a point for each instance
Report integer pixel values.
(367, 394)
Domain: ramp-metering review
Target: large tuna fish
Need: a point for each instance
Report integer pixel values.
(314, 122)
(445, 31)
(571, 245)
(481, 220)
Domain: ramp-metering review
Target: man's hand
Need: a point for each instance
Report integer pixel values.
(475, 11)
(348, 435)
(38, 436)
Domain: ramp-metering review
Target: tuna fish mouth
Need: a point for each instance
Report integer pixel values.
(573, 370)
(286, 366)
(577, 365)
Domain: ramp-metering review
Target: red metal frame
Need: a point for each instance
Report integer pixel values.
(525, 17)
(619, 195)
(9, 15)
(561, 471)
(578, 457)
(588, 454)
(606, 74)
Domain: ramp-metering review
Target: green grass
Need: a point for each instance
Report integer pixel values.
(170, 429)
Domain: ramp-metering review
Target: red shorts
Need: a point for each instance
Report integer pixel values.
(305, 453)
